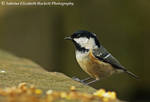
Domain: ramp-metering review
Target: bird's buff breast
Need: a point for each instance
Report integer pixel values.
(94, 67)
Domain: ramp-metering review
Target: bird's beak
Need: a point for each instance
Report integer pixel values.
(68, 38)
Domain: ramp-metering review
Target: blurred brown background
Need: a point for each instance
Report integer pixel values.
(123, 27)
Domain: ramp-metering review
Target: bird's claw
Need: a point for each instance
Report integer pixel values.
(76, 79)
(81, 81)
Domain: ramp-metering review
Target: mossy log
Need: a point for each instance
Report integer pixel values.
(15, 70)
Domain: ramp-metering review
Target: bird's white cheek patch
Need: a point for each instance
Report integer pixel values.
(81, 40)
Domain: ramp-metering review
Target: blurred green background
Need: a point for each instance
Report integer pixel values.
(123, 27)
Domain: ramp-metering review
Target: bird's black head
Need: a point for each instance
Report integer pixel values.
(84, 40)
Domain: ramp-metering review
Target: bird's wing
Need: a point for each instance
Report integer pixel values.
(103, 55)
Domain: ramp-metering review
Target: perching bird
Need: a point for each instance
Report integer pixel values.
(93, 58)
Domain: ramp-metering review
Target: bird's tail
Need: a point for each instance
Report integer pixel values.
(131, 74)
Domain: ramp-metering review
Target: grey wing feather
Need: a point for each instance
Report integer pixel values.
(103, 55)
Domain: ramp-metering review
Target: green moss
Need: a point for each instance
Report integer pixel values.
(19, 70)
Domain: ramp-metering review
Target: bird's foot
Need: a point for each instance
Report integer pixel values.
(76, 79)
(83, 81)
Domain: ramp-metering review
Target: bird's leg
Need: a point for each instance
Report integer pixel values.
(88, 78)
(81, 81)
(91, 82)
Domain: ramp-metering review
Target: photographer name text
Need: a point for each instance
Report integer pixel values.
(38, 3)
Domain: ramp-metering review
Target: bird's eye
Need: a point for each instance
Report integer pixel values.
(78, 35)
